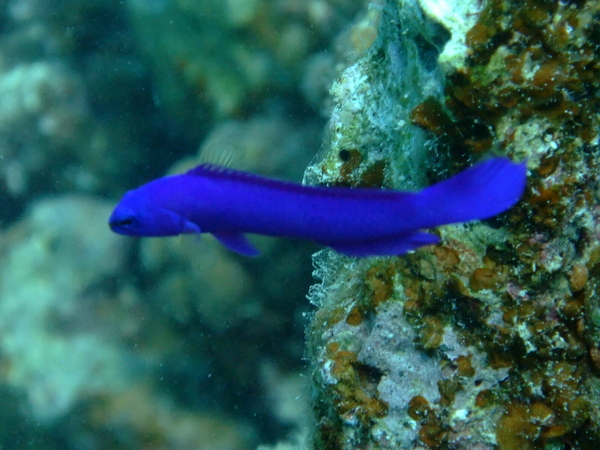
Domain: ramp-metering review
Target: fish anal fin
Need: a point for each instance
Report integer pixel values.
(398, 245)
(237, 242)
(190, 228)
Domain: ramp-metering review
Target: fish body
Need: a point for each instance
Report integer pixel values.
(358, 222)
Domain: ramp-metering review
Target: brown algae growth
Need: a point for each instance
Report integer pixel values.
(490, 340)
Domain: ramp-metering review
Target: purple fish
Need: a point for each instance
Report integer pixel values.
(357, 222)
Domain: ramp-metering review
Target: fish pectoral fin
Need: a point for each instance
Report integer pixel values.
(190, 228)
(398, 245)
(237, 242)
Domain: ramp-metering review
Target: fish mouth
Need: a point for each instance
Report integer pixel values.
(122, 224)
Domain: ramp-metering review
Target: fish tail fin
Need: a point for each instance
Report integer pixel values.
(479, 192)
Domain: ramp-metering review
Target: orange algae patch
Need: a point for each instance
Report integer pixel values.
(528, 426)
(432, 333)
(379, 279)
(491, 276)
(578, 277)
(432, 432)
(354, 392)
(355, 317)
(353, 173)
(465, 368)
(516, 430)
(329, 317)
(418, 408)
(378, 288)
(352, 159)
(448, 390)
(485, 398)
(431, 116)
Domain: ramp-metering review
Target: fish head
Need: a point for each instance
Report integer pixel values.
(135, 215)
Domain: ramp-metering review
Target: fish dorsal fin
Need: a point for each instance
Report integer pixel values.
(216, 169)
(225, 173)
(222, 154)
(225, 146)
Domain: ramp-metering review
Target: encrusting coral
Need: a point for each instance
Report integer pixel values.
(491, 339)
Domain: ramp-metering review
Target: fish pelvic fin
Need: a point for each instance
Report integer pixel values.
(237, 242)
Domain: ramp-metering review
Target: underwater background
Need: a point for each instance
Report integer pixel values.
(490, 340)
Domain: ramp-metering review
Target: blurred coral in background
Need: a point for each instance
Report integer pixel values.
(179, 344)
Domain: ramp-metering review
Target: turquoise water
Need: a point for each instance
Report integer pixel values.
(108, 342)
(489, 340)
